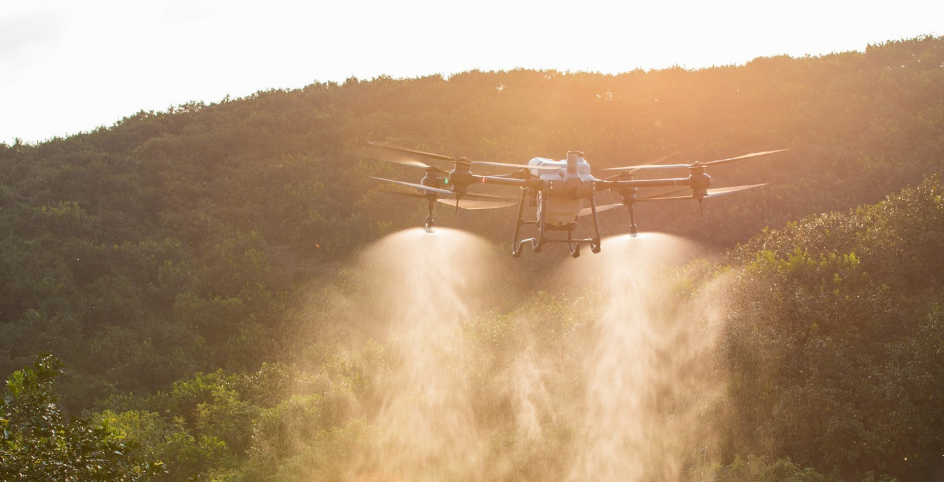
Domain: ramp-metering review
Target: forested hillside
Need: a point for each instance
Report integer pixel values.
(164, 259)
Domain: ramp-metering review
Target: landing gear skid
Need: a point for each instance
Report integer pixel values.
(536, 243)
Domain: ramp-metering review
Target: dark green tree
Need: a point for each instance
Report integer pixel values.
(40, 444)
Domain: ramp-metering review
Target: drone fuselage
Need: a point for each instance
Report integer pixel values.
(563, 192)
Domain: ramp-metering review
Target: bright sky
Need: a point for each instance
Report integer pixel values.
(68, 66)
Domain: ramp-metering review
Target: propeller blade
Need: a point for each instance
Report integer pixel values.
(607, 207)
(394, 147)
(404, 194)
(650, 165)
(724, 191)
(442, 157)
(405, 162)
(469, 196)
(473, 204)
(647, 166)
(673, 198)
(600, 209)
(520, 166)
(487, 197)
(673, 192)
(655, 165)
(712, 193)
(666, 157)
(417, 186)
(745, 156)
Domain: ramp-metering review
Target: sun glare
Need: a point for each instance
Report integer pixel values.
(67, 67)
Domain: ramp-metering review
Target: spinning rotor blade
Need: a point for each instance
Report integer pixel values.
(673, 198)
(405, 162)
(468, 201)
(651, 165)
(467, 196)
(472, 204)
(640, 167)
(520, 166)
(441, 157)
(672, 192)
(666, 157)
(724, 191)
(745, 156)
(676, 166)
(607, 207)
(600, 209)
(429, 155)
(487, 197)
(417, 186)
(712, 193)
(404, 194)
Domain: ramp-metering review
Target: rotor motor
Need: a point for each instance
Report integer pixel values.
(699, 182)
(461, 176)
(433, 179)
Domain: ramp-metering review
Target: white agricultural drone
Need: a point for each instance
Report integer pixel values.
(561, 192)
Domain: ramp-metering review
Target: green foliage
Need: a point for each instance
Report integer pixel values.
(40, 444)
(130, 229)
(332, 456)
(215, 426)
(835, 358)
(160, 257)
(760, 469)
(755, 468)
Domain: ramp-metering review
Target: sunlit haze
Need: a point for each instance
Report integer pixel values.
(68, 67)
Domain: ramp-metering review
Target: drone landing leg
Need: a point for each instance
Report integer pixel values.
(536, 244)
(595, 245)
(515, 247)
(574, 247)
(633, 231)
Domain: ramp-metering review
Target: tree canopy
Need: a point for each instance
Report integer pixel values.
(40, 444)
(163, 258)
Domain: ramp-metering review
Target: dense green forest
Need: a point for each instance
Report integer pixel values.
(184, 266)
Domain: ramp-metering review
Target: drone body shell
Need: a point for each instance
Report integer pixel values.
(565, 189)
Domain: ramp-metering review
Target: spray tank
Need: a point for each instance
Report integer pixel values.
(566, 187)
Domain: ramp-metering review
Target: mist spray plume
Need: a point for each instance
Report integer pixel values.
(427, 285)
(649, 385)
(597, 373)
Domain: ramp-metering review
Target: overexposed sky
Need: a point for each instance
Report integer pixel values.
(68, 66)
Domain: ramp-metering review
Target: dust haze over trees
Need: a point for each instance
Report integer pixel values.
(162, 258)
